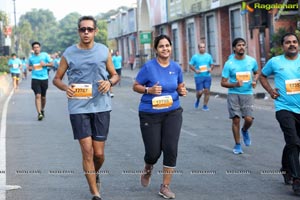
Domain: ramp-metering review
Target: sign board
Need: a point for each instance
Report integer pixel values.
(7, 30)
(145, 38)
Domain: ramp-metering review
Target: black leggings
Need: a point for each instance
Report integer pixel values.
(160, 132)
(290, 126)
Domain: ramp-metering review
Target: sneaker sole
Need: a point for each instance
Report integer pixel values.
(165, 197)
(236, 153)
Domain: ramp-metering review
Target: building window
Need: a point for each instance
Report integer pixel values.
(211, 36)
(236, 25)
(191, 39)
(175, 45)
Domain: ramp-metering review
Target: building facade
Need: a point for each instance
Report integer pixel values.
(189, 22)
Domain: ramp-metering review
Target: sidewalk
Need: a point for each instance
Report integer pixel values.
(216, 88)
(5, 85)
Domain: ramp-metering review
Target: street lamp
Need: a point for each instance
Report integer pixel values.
(16, 39)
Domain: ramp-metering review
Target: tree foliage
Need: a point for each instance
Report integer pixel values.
(40, 25)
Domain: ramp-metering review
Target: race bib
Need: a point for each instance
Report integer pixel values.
(162, 102)
(15, 66)
(292, 86)
(243, 76)
(37, 67)
(82, 91)
(203, 68)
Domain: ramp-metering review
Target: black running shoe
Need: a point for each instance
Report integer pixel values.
(40, 117)
(43, 113)
(96, 198)
(296, 186)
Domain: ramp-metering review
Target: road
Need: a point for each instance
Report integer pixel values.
(44, 160)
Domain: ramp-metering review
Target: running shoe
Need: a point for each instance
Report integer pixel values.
(205, 108)
(166, 192)
(237, 149)
(112, 95)
(40, 116)
(288, 179)
(296, 187)
(43, 113)
(246, 137)
(196, 105)
(96, 198)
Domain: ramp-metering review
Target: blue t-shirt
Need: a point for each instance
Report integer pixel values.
(39, 72)
(56, 62)
(168, 77)
(15, 65)
(240, 69)
(117, 61)
(24, 64)
(287, 80)
(201, 62)
(88, 66)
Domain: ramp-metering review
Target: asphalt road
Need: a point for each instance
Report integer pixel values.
(44, 160)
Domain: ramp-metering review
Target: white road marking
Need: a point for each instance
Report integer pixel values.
(3, 186)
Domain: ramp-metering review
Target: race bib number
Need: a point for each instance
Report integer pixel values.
(37, 67)
(162, 102)
(203, 68)
(82, 91)
(15, 66)
(292, 86)
(243, 76)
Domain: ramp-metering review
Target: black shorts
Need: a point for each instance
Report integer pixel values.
(95, 125)
(119, 71)
(17, 75)
(39, 86)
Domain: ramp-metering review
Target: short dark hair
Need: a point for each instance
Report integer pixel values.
(286, 35)
(13, 54)
(34, 43)
(87, 18)
(160, 37)
(237, 40)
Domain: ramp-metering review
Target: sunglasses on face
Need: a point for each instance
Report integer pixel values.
(84, 29)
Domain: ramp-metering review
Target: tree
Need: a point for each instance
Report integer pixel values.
(43, 25)
(67, 31)
(102, 32)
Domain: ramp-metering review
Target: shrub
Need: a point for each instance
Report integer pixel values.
(3, 64)
(276, 41)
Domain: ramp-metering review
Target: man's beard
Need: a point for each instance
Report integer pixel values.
(291, 54)
(241, 53)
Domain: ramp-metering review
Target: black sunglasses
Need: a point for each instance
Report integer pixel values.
(84, 29)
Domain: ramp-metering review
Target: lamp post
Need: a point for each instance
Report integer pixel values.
(16, 38)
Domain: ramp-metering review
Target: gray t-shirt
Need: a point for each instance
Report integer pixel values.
(88, 67)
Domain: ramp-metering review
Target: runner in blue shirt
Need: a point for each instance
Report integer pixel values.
(88, 65)
(239, 75)
(286, 95)
(24, 67)
(38, 64)
(15, 69)
(160, 80)
(202, 65)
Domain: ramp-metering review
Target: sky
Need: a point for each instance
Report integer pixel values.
(61, 8)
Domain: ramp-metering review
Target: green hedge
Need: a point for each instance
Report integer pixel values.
(3, 64)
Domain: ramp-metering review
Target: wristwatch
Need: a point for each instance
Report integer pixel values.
(146, 90)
